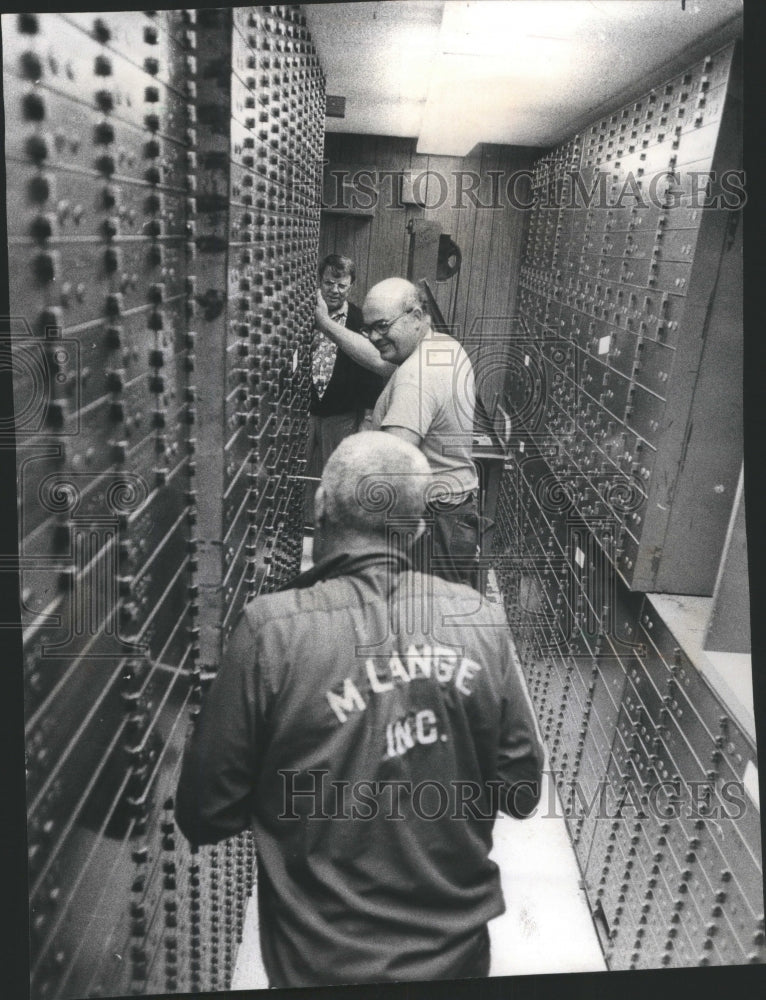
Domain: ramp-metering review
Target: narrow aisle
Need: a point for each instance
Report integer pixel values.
(249, 973)
(547, 926)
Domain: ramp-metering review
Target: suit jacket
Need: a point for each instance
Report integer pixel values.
(351, 387)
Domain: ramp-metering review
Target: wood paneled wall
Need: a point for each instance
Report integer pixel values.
(480, 218)
(489, 237)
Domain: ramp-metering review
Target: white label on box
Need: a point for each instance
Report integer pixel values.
(521, 446)
(603, 344)
(579, 557)
(295, 360)
(506, 423)
(526, 360)
(750, 782)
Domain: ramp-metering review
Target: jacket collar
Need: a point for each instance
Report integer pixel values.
(341, 314)
(347, 564)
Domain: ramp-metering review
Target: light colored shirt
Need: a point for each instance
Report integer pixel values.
(433, 394)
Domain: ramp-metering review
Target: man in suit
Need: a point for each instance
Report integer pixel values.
(344, 384)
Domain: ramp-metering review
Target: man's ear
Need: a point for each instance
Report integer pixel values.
(419, 313)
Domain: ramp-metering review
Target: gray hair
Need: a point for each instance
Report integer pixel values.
(372, 477)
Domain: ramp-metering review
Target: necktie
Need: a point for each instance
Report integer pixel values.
(323, 354)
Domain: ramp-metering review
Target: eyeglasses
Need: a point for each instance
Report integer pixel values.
(341, 286)
(383, 325)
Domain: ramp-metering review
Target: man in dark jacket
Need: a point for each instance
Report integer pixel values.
(368, 723)
(344, 386)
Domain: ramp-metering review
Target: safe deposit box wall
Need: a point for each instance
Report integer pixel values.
(163, 222)
(163, 216)
(626, 455)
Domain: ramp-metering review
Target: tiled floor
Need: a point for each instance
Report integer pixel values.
(249, 973)
(547, 925)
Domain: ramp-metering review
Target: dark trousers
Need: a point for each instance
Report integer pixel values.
(324, 436)
(450, 546)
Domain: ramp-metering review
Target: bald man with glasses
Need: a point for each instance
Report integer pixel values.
(428, 402)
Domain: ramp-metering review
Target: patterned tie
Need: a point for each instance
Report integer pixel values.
(323, 354)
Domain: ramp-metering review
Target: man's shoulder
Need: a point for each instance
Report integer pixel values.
(437, 350)
(354, 319)
(431, 366)
(324, 595)
(436, 344)
(473, 606)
